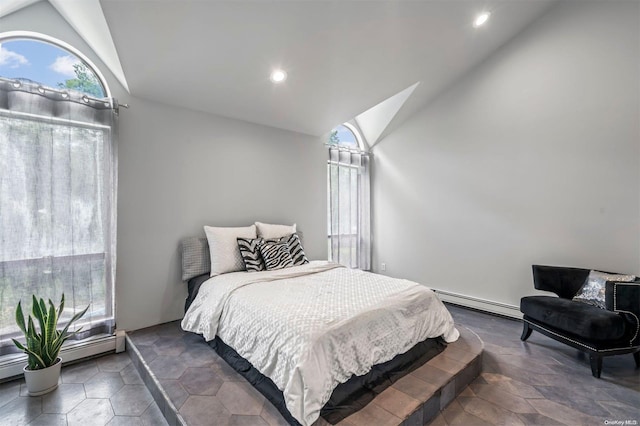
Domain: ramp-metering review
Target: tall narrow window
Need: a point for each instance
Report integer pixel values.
(348, 225)
(57, 184)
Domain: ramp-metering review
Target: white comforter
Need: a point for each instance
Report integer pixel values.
(311, 327)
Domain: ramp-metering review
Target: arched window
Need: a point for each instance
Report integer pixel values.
(348, 226)
(49, 63)
(58, 191)
(346, 135)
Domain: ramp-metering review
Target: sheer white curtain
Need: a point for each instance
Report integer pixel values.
(349, 207)
(57, 204)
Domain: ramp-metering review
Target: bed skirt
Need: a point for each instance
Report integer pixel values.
(348, 397)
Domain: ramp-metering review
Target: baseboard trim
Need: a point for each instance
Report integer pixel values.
(481, 304)
(11, 365)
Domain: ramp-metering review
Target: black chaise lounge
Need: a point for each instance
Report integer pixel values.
(599, 332)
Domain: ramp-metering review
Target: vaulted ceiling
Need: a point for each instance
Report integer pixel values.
(342, 57)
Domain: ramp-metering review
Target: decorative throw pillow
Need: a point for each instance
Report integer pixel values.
(223, 248)
(269, 231)
(196, 259)
(275, 255)
(593, 289)
(250, 252)
(296, 250)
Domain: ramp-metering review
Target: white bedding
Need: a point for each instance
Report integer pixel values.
(311, 327)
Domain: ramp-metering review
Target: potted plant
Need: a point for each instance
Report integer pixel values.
(43, 364)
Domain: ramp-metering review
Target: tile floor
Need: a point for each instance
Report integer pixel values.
(193, 385)
(540, 382)
(101, 391)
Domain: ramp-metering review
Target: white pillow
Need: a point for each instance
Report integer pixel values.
(268, 231)
(223, 248)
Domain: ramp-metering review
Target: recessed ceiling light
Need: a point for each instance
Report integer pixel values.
(278, 76)
(481, 19)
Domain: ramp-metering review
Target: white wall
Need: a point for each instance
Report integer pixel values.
(179, 170)
(532, 158)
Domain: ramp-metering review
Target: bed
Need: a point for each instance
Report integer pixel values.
(318, 339)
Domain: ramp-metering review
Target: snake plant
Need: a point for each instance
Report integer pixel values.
(42, 348)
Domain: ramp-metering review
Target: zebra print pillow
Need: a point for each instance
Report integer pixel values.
(295, 248)
(275, 255)
(250, 252)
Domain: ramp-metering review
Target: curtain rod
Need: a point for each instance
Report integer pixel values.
(346, 149)
(16, 83)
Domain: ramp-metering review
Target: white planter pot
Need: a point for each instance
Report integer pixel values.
(44, 380)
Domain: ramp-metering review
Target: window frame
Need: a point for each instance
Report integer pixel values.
(361, 148)
(106, 323)
(357, 134)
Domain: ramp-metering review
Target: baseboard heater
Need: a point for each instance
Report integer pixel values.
(481, 304)
(11, 365)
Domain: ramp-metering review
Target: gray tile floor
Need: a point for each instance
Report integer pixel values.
(540, 382)
(102, 391)
(179, 367)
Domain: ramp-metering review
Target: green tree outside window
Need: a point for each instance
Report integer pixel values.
(85, 82)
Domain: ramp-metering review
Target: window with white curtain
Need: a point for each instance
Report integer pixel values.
(349, 231)
(57, 186)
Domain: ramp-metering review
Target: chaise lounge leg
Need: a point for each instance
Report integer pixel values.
(526, 331)
(636, 357)
(596, 365)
